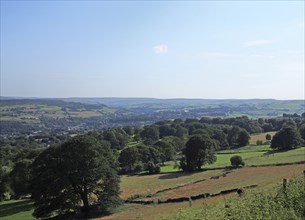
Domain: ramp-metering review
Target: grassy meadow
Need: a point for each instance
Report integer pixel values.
(252, 155)
(16, 209)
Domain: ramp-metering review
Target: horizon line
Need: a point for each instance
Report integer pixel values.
(137, 97)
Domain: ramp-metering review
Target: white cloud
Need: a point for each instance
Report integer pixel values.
(254, 43)
(160, 49)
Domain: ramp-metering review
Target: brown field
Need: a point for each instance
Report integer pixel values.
(262, 176)
(148, 184)
(238, 178)
(149, 212)
(260, 137)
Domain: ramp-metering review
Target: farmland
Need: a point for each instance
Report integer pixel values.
(16, 209)
(175, 184)
(184, 186)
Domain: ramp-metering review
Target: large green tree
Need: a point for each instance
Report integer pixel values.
(243, 138)
(199, 150)
(166, 149)
(138, 158)
(77, 175)
(150, 133)
(130, 160)
(20, 178)
(285, 139)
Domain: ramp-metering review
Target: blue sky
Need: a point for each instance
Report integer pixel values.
(200, 49)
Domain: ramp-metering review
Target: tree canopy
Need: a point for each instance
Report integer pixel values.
(237, 161)
(287, 138)
(76, 175)
(199, 150)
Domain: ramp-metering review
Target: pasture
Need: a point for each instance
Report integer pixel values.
(252, 155)
(16, 209)
(264, 177)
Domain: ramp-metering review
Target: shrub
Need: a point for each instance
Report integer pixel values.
(237, 161)
(259, 142)
(153, 168)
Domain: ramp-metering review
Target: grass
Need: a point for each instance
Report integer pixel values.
(250, 205)
(134, 143)
(252, 155)
(16, 209)
(290, 156)
(265, 177)
(190, 184)
(237, 178)
(260, 137)
(149, 184)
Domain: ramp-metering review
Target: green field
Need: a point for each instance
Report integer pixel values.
(252, 155)
(16, 209)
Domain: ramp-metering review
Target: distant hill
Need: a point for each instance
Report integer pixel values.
(19, 115)
(229, 107)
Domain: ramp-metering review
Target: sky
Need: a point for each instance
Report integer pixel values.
(172, 49)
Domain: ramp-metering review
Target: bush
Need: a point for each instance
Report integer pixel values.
(259, 142)
(153, 168)
(286, 204)
(289, 203)
(237, 161)
(268, 137)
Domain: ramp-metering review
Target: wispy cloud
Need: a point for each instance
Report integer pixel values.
(160, 49)
(254, 43)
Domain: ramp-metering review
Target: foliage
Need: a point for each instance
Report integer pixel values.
(268, 137)
(302, 130)
(153, 168)
(129, 160)
(259, 142)
(4, 182)
(118, 138)
(136, 159)
(199, 150)
(166, 149)
(289, 203)
(237, 161)
(287, 138)
(150, 133)
(243, 138)
(285, 204)
(20, 178)
(81, 170)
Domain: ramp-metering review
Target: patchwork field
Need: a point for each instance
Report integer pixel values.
(261, 176)
(214, 179)
(252, 155)
(260, 137)
(260, 170)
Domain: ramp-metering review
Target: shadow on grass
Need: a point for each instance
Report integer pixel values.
(277, 151)
(178, 174)
(8, 209)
